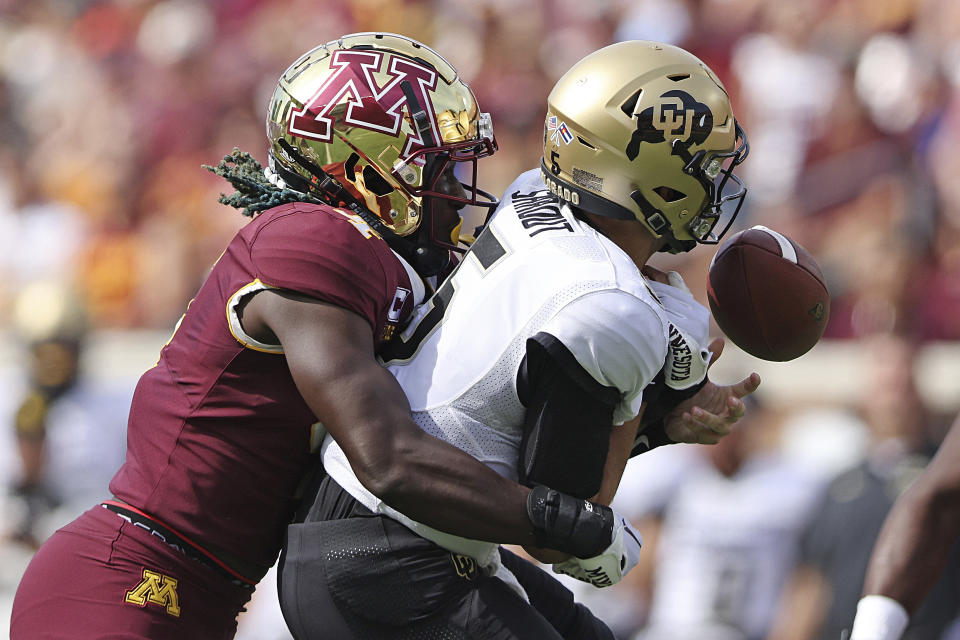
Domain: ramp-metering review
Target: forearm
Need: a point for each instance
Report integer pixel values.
(330, 354)
(621, 443)
(31, 450)
(440, 486)
(920, 530)
(913, 546)
(912, 549)
(423, 477)
(802, 606)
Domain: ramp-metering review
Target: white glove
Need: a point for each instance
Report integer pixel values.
(687, 353)
(609, 567)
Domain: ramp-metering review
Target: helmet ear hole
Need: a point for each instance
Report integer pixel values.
(375, 182)
(669, 194)
(585, 143)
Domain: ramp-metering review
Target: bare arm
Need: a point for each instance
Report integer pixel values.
(621, 444)
(330, 353)
(31, 432)
(920, 530)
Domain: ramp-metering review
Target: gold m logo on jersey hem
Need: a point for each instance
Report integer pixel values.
(157, 589)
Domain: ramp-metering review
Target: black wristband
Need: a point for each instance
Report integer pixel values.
(578, 527)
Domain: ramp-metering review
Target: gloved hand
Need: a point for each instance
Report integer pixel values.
(612, 564)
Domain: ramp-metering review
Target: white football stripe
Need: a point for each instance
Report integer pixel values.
(786, 248)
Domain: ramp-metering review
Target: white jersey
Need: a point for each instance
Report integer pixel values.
(726, 549)
(536, 268)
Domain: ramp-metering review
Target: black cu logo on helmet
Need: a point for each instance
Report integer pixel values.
(677, 115)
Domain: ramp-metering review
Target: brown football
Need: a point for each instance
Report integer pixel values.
(767, 294)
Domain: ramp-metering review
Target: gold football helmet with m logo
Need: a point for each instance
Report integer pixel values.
(385, 117)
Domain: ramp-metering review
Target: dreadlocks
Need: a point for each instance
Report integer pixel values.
(254, 193)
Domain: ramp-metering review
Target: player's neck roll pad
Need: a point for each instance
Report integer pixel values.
(578, 527)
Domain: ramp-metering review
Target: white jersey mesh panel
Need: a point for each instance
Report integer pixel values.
(581, 248)
(486, 421)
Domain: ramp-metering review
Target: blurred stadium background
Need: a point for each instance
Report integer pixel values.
(108, 223)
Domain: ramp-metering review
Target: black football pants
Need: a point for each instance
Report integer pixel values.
(367, 577)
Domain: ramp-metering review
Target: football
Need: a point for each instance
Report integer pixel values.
(767, 294)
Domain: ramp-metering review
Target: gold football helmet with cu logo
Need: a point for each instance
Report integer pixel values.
(643, 130)
(387, 120)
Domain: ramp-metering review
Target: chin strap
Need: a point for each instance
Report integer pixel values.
(660, 225)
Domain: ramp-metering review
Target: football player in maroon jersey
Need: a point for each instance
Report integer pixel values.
(279, 346)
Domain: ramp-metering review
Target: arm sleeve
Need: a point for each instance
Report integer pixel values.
(660, 399)
(618, 339)
(322, 255)
(566, 431)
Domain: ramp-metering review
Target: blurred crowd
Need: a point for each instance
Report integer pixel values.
(109, 109)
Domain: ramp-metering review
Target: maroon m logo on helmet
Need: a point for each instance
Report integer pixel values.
(368, 105)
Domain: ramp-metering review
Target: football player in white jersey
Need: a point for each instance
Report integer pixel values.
(731, 524)
(548, 356)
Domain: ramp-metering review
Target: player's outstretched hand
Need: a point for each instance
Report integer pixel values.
(711, 413)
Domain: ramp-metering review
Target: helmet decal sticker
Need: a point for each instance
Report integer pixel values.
(677, 116)
(587, 179)
(369, 106)
(559, 131)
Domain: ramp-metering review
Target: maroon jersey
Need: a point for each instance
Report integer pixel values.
(218, 436)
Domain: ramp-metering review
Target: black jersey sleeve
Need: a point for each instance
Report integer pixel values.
(659, 400)
(568, 421)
